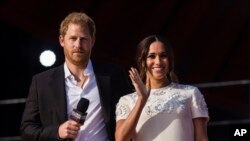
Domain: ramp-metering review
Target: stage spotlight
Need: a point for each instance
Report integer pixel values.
(47, 58)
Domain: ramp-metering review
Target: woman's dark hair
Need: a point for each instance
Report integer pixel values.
(142, 52)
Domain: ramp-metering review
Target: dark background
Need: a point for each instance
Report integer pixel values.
(211, 41)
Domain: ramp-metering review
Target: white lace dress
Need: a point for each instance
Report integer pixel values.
(168, 113)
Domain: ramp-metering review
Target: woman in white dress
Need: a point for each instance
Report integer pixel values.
(160, 109)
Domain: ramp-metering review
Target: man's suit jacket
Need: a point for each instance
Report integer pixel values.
(46, 106)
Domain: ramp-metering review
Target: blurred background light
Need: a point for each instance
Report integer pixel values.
(47, 58)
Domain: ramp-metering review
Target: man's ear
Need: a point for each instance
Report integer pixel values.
(61, 40)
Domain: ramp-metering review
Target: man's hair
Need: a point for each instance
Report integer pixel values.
(77, 18)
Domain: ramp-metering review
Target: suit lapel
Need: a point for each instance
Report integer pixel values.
(103, 83)
(58, 90)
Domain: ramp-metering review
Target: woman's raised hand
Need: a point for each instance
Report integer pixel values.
(142, 90)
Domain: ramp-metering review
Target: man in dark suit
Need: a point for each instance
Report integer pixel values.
(55, 93)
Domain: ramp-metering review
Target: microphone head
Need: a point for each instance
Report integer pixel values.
(83, 105)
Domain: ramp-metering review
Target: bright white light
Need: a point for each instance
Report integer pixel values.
(47, 58)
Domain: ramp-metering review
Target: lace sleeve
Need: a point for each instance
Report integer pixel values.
(122, 109)
(198, 106)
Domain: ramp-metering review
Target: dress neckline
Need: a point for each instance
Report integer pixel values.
(161, 91)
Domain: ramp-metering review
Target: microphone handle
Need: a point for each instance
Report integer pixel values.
(81, 121)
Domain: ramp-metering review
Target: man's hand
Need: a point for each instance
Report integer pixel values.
(69, 129)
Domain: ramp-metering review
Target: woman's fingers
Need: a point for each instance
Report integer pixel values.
(138, 83)
(135, 74)
(132, 77)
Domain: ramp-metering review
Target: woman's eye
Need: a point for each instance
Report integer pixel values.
(164, 56)
(151, 56)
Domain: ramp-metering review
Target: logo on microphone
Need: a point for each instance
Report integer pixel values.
(78, 116)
